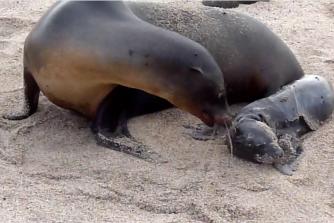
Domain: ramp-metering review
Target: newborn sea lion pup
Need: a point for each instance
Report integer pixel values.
(269, 130)
(98, 58)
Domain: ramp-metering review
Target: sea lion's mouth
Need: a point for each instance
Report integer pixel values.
(207, 119)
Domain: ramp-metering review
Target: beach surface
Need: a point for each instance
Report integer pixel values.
(51, 169)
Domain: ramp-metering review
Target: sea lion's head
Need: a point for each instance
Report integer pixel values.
(190, 78)
(204, 93)
(255, 141)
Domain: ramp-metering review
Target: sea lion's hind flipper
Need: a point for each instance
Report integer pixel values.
(31, 96)
(110, 124)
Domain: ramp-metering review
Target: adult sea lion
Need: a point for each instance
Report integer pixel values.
(255, 62)
(226, 4)
(92, 56)
(269, 130)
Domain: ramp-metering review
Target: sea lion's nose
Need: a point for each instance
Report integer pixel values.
(276, 152)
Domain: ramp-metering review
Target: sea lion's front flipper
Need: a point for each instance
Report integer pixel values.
(203, 132)
(127, 145)
(200, 132)
(110, 124)
(293, 149)
(31, 95)
(290, 167)
(120, 139)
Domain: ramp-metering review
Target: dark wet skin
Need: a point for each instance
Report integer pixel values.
(226, 4)
(268, 130)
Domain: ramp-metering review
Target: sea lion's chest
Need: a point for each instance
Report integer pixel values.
(72, 88)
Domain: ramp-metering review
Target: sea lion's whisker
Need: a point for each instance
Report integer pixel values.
(229, 139)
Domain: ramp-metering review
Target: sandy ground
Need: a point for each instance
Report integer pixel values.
(51, 169)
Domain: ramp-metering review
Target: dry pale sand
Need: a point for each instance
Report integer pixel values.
(51, 169)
